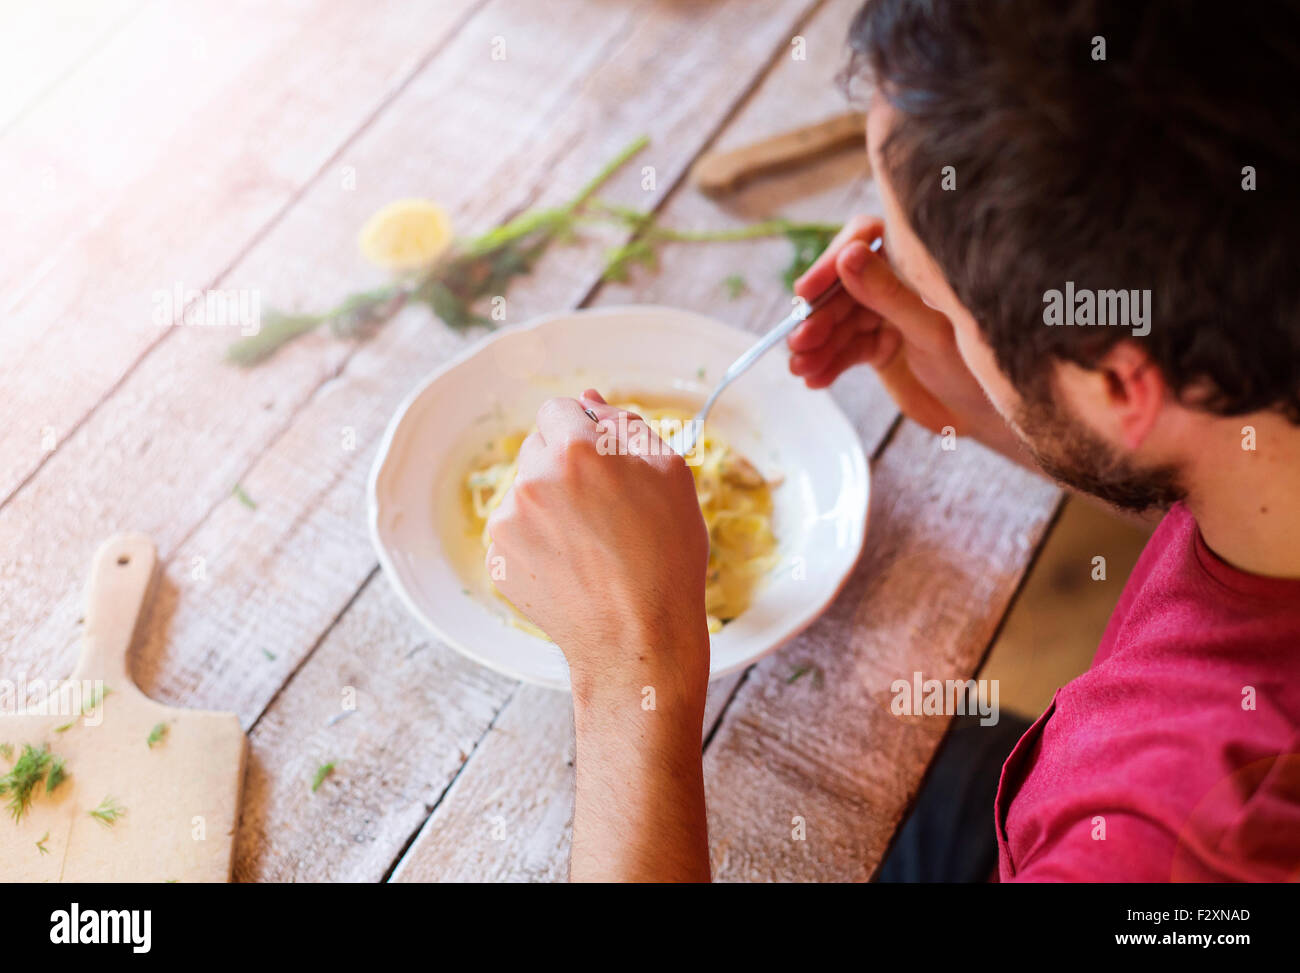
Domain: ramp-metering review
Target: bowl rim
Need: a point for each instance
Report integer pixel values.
(801, 620)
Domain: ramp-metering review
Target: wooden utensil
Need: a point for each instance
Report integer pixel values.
(176, 774)
(723, 172)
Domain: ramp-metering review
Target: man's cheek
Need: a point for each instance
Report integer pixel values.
(978, 359)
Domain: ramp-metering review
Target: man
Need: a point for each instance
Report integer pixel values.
(1034, 160)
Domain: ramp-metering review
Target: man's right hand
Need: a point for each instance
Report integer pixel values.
(880, 321)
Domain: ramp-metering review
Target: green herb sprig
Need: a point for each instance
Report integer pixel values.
(484, 266)
(240, 494)
(23, 777)
(58, 774)
(323, 771)
(108, 812)
(735, 285)
(808, 240)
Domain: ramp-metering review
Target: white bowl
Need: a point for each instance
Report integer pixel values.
(639, 352)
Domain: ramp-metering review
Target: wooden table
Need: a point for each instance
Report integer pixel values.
(239, 144)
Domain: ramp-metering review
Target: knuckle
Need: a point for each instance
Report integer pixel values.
(572, 455)
(525, 491)
(553, 406)
(678, 468)
(498, 528)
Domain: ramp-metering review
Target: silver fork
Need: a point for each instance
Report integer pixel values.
(683, 441)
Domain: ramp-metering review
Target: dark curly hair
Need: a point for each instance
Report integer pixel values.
(1127, 172)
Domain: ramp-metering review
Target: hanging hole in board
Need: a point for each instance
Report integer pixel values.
(124, 559)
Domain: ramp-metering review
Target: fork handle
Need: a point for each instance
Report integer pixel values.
(802, 311)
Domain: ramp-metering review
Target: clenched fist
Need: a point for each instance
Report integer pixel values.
(600, 542)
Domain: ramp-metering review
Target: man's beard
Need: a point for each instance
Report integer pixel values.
(1069, 452)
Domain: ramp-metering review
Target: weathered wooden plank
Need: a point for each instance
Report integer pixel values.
(42, 44)
(509, 815)
(275, 578)
(184, 427)
(394, 712)
(322, 485)
(183, 137)
(949, 537)
(534, 730)
(338, 540)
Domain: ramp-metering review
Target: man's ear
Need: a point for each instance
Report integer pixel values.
(1135, 391)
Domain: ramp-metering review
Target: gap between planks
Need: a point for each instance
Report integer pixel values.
(258, 234)
(592, 288)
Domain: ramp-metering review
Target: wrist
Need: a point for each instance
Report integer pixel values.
(643, 728)
(653, 671)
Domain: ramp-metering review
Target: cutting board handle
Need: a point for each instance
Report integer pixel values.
(120, 582)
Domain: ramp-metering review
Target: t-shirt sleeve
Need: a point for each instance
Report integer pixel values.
(1111, 846)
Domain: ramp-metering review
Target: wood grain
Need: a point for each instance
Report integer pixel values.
(387, 356)
(310, 490)
(275, 578)
(174, 773)
(43, 44)
(535, 729)
(272, 611)
(134, 461)
(395, 713)
(509, 815)
(950, 535)
(196, 125)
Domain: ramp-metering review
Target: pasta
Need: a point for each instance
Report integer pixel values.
(735, 499)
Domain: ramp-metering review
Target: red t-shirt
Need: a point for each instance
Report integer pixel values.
(1176, 757)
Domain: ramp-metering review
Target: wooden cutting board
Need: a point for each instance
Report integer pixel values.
(179, 797)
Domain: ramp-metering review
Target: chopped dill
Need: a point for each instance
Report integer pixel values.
(808, 240)
(242, 496)
(735, 285)
(108, 812)
(818, 677)
(7, 751)
(323, 771)
(269, 654)
(40, 845)
(156, 734)
(65, 727)
(57, 775)
(23, 778)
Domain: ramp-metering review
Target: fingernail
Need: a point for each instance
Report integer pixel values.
(591, 395)
(854, 257)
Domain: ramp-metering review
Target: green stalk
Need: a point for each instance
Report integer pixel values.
(751, 232)
(613, 166)
(550, 219)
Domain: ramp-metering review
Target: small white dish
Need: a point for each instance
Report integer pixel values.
(649, 354)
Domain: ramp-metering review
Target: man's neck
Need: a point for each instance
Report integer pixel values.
(1247, 500)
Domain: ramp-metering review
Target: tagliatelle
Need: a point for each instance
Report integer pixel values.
(735, 499)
